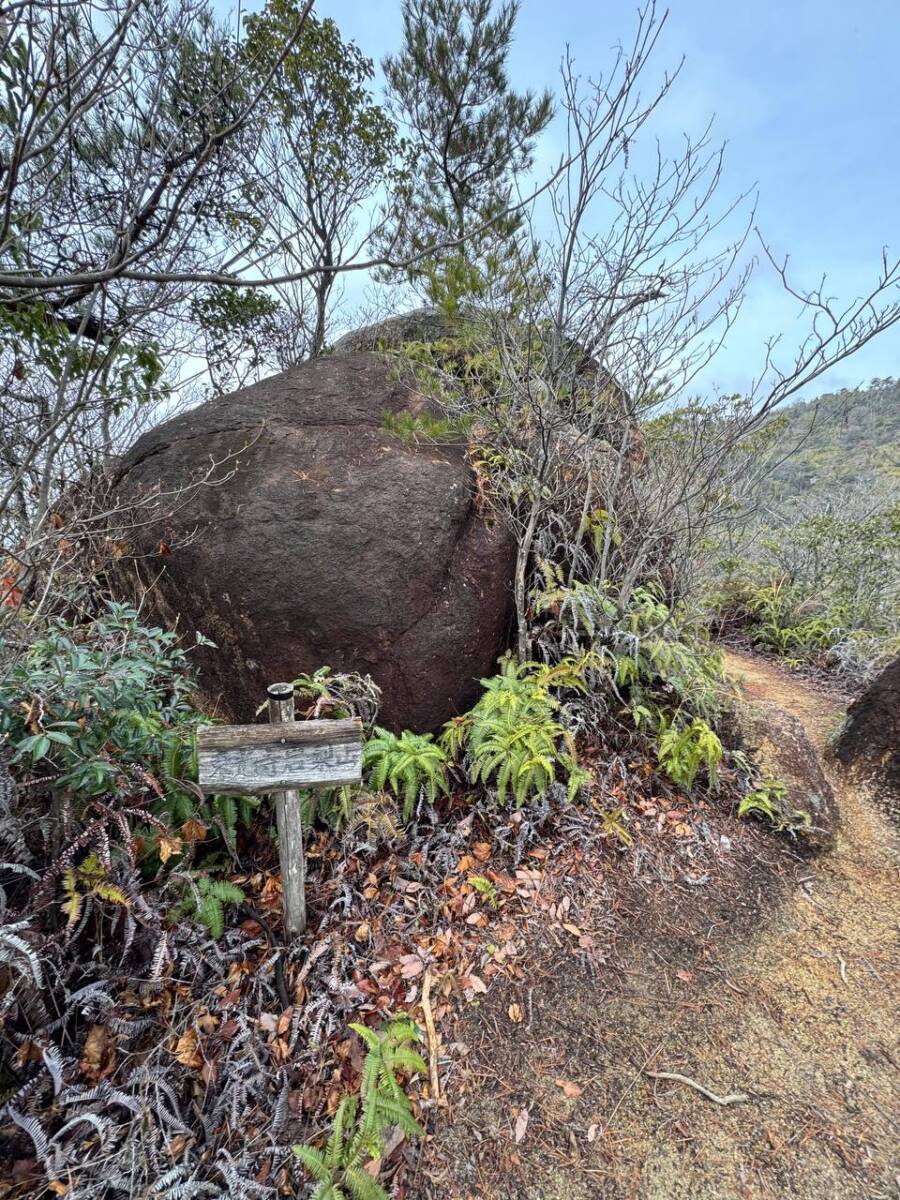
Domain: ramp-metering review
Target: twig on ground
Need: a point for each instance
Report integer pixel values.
(732, 1098)
(636, 1077)
(432, 1037)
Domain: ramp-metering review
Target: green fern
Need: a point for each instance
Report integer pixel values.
(682, 752)
(405, 764)
(224, 813)
(770, 800)
(512, 736)
(207, 904)
(389, 1052)
(357, 1133)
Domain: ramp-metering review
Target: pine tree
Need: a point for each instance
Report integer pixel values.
(471, 135)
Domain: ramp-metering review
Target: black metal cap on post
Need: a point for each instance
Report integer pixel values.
(280, 691)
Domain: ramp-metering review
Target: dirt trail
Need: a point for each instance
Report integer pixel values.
(772, 976)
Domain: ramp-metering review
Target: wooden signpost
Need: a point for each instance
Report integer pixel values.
(279, 758)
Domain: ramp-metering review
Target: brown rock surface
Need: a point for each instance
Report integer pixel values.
(869, 742)
(332, 542)
(783, 751)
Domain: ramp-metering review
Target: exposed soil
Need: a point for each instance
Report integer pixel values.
(724, 957)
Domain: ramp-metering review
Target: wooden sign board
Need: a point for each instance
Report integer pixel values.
(242, 760)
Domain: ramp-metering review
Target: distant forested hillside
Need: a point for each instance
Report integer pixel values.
(813, 573)
(841, 438)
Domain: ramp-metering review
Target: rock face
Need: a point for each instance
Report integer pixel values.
(782, 750)
(419, 325)
(328, 541)
(869, 742)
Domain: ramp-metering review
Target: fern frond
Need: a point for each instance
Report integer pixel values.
(314, 1161)
(362, 1186)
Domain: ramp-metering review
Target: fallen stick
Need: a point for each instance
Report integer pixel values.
(432, 1037)
(733, 1098)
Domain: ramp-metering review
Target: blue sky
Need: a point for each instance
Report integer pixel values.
(807, 96)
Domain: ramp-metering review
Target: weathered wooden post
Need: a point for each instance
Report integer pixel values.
(290, 825)
(279, 758)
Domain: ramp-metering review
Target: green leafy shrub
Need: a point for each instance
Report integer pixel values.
(512, 736)
(822, 583)
(406, 764)
(88, 702)
(359, 1125)
(100, 709)
(781, 621)
(655, 659)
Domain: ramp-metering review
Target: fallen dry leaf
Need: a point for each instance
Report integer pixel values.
(176, 1147)
(521, 1124)
(207, 1022)
(99, 1055)
(515, 1013)
(411, 965)
(193, 830)
(187, 1050)
(572, 1090)
(167, 846)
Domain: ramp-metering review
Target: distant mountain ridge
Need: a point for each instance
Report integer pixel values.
(841, 438)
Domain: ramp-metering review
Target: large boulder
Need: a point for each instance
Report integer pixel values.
(783, 752)
(326, 540)
(419, 325)
(869, 741)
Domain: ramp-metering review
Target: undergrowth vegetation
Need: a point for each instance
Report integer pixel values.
(823, 588)
(409, 764)
(360, 1124)
(512, 740)
(116, 868)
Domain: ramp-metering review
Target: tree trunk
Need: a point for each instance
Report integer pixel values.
(523, 554)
